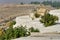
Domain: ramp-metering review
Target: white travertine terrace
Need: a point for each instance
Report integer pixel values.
(26, 20)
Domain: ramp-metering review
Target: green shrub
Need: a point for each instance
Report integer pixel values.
(48, 19)
(20, 32)
(12, 33)
(33, 30)
(37, 15)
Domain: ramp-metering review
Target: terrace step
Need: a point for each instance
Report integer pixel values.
(45, 34)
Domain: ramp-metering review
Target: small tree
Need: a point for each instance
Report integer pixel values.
(48, 19)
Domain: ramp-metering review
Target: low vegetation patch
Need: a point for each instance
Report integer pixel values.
(48, 19)
(12, 33)
(33, 30)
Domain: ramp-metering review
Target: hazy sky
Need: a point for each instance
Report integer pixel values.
(18, 1)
